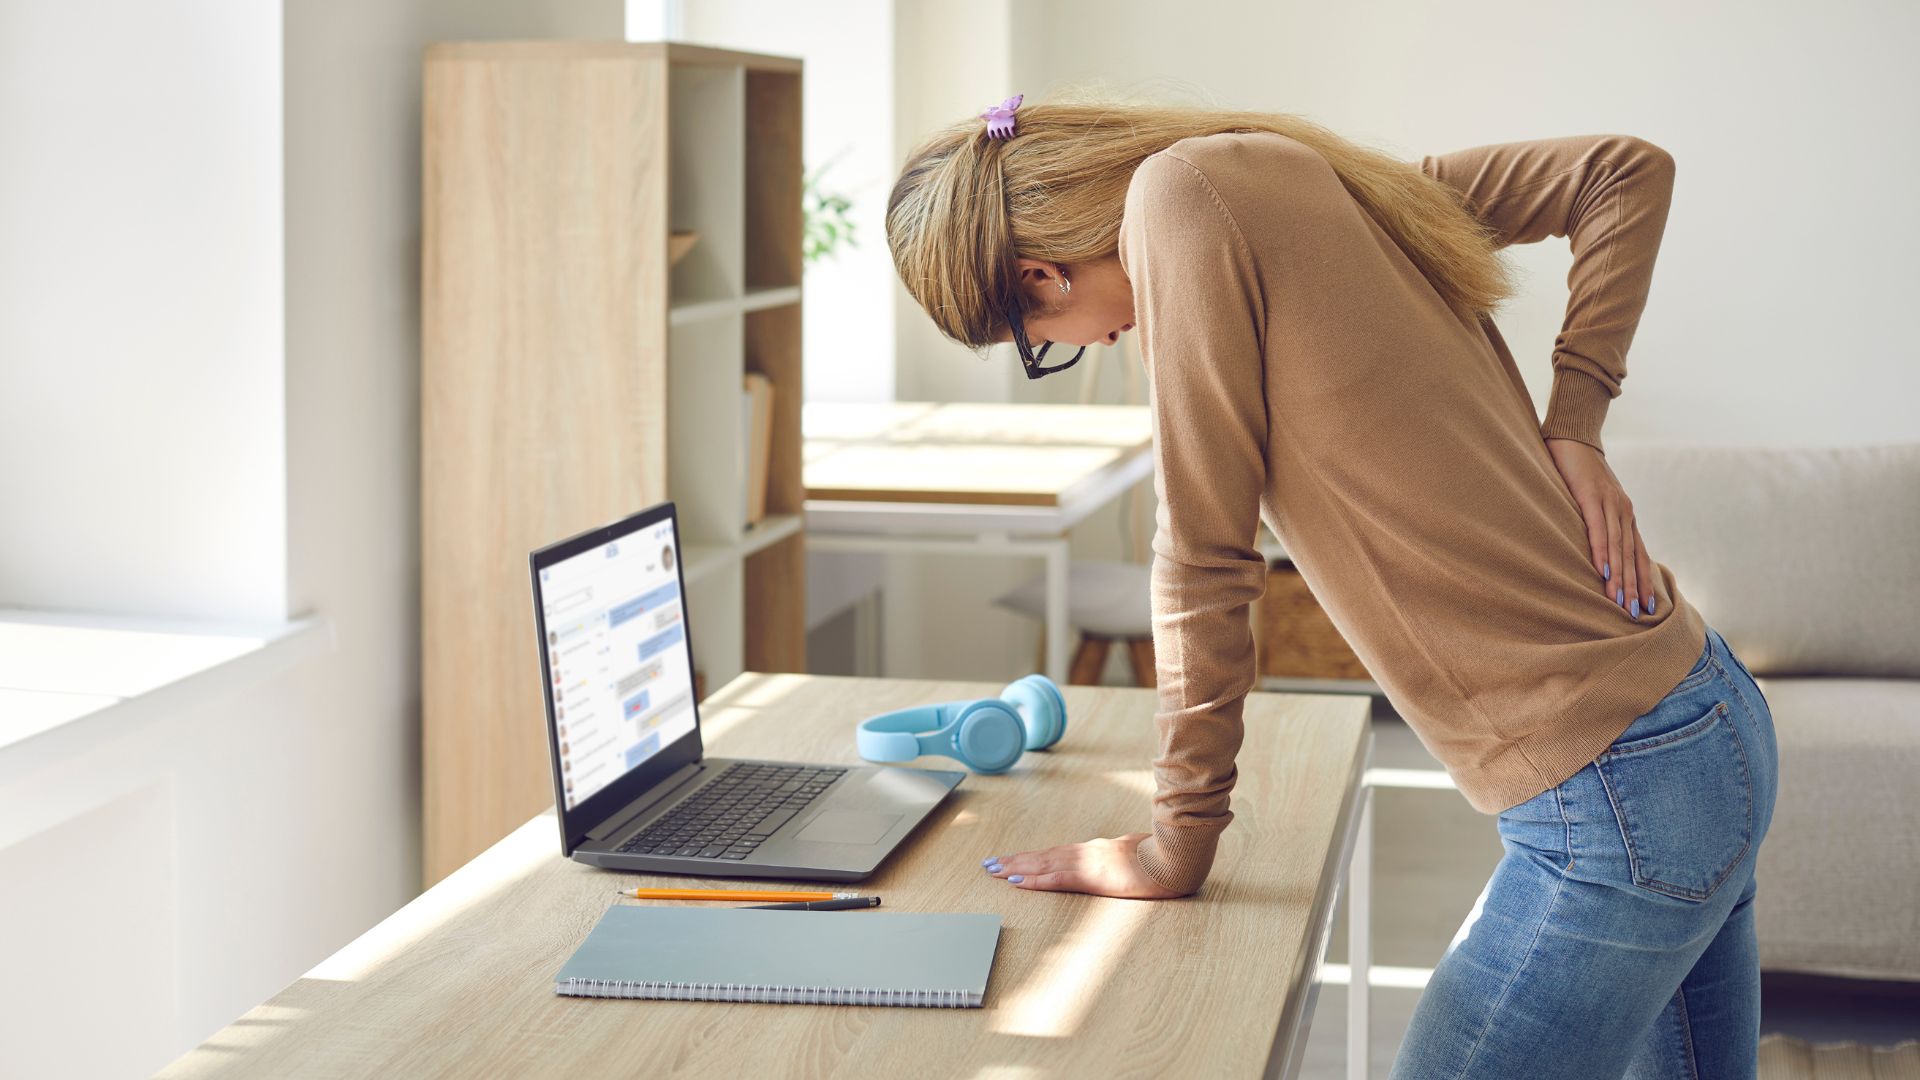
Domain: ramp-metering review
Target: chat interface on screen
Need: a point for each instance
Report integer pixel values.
(616, 658)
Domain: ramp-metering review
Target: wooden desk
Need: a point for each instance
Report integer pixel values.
(459, 983)
(964, 478)
(965, 452)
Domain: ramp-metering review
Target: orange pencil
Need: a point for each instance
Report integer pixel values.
(733, 894)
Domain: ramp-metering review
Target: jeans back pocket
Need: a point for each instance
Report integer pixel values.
(1684, 802)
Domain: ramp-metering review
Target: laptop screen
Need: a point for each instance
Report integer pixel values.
(617, 667)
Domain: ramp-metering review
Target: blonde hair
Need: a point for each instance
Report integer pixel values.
(965, 206)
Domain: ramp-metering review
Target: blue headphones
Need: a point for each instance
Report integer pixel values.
(987, 734)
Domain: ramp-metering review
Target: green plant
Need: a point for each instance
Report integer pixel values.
(827, 225)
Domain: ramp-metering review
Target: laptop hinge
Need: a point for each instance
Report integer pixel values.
(676, 781)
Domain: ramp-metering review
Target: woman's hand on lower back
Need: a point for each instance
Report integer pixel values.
(1619, 556)
(1101, 867)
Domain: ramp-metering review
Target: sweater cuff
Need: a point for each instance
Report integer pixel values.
(1577, 408)
(1178, 858)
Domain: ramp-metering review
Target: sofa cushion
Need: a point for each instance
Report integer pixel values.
(1807, 559)
(1839, 871)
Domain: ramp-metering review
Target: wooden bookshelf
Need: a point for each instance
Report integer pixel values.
(570, 376)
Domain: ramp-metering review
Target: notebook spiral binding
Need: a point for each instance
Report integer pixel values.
(803, 995)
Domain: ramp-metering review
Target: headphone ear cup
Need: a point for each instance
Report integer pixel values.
(990, 736)
(1041, 707)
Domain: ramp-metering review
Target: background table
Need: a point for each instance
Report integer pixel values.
(459, 983)
(970, 479)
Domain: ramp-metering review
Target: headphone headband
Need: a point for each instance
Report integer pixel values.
(897, 735)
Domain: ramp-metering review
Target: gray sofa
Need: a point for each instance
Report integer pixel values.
(1807, 560)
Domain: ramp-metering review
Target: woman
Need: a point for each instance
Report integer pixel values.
(1314, 322)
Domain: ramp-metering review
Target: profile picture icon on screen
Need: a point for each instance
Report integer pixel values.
(666, 557)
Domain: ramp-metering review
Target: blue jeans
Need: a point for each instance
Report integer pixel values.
(1615, 937)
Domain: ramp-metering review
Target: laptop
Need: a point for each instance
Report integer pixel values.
(631, 783)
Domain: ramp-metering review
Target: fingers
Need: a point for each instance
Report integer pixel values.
(1597, 546)
(1630, 552)
(1616, 580)
(1056, 881)
(1026, 863)
(1646, 572)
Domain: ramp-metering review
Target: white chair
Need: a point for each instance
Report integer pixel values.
(1106, 602)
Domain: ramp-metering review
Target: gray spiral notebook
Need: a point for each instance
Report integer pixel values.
(811, 957)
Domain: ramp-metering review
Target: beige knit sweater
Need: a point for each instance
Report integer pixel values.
(1303, 372)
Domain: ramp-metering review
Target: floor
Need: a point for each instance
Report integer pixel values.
(1432, 854)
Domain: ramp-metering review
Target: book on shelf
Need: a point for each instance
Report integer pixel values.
(756, 427)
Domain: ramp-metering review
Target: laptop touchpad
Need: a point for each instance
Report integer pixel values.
(848, 827)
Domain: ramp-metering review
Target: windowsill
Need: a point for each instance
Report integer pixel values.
(72, 682)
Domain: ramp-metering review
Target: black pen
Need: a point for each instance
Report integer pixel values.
(844, 904)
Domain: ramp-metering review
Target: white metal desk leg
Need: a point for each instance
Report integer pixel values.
(1056, 629)
(1360, 940)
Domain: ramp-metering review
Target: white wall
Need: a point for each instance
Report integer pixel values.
(1778, 306)
(141, 435)
(257, 833)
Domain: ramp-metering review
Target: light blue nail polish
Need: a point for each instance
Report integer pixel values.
(1620, 597)
(1016, 879)
(1606, 571)
(1635, 607)
(993, 868)
(988, 861)
(1651, 604)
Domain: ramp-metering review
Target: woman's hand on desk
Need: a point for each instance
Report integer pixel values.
(1101, 867)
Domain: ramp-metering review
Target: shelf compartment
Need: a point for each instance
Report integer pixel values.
(772, 341)
(707, 156)
(705, 459)
(773, 179)
(704, 558)
(776, 594)
(755, 299)
(716, 611)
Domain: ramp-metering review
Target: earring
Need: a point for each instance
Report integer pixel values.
(1065, 285)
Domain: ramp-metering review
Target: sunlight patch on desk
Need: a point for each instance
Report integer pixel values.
(1140, 780)
(766, 688)
(1389, 978)
(1053, 1002)
(260, 1026)
(759, 692)
(520, 853)
(1430, 779)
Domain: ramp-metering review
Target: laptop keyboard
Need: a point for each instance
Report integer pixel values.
(728, 818)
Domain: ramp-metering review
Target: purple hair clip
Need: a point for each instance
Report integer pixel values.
(1000, 119)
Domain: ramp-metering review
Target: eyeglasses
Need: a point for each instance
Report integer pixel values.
(1030, 360)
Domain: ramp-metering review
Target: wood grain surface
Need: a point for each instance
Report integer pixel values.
(459, 982)
(536, 423)
(916, 451)
(552, 177)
